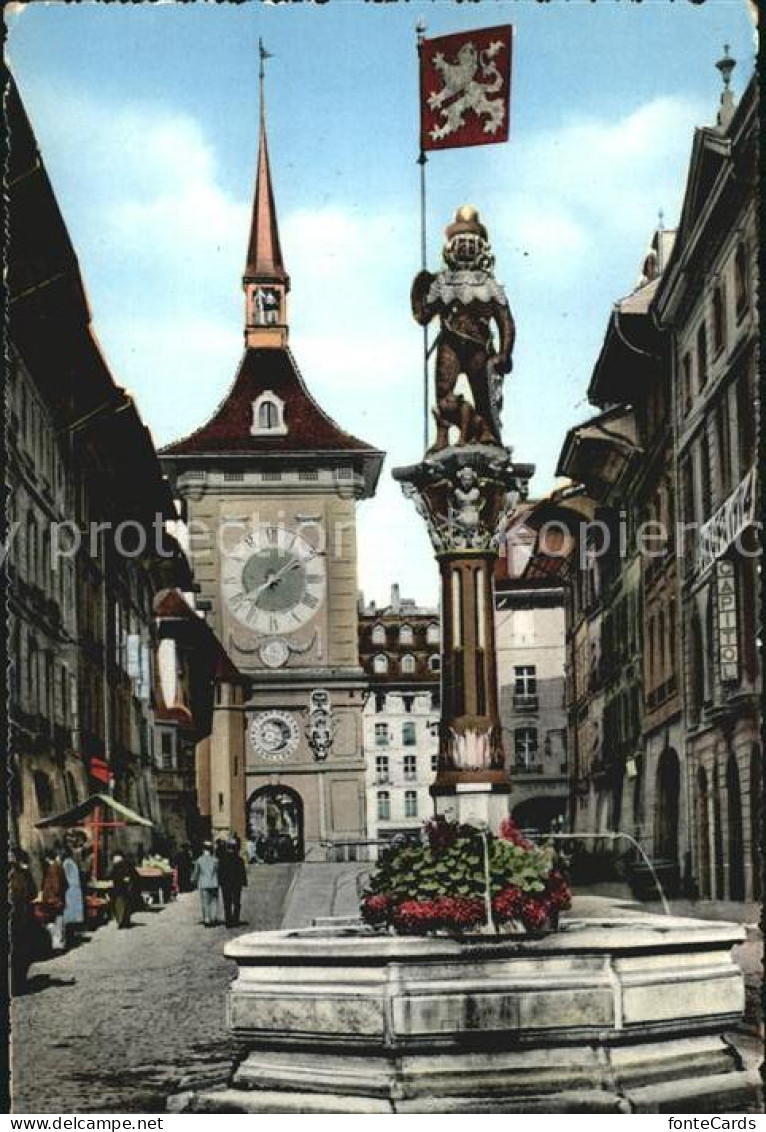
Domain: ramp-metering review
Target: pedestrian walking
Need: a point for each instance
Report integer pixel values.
(205, 879)
(74, 908)
(184, 863)
(232, 877)
(252, 851)
(22, 890)
(53, 894)
(124, 888)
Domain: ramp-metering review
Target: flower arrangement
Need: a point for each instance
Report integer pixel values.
(459, 878)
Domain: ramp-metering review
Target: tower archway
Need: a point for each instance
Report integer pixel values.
(275, 823)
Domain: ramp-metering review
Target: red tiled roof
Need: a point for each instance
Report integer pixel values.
(228, 430)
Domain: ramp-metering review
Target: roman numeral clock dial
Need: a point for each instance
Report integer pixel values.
(273, 581)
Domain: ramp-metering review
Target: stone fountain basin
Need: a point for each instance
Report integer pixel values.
(603, 1015)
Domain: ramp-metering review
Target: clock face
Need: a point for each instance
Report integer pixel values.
(273, 580)
(273, 735)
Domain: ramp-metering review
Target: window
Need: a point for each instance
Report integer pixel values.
(43, 792)
(308, 475)
(378, 635)
(741, 288)
(432, 634)
(672, 636)
(705, 476)
(384, 805)
(702, 356)
(268, 415)
(435, 663)
(525, 747)
(410, 803)
(652, 654)
(434, 763)
(380, 663)
(381, 735)
(381, 768)
(410, 768)
(380, 702)
(746, 422)
(723, 441)
(233, 477)
(525, 680)
(409, 738)
(407, 703)
(166, 750)
(408, 664)
(719, 318)
(406, 635)
(686, 367)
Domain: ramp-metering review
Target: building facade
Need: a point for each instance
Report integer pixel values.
(661, 560)
(399, 649)
(88, 550)
(529, 631)
(270, 485)
(708, 303)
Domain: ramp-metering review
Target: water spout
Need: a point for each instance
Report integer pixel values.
(614, 837)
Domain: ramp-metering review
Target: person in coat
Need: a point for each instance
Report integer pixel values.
(74, 909)
(124, 887)
(22, 890)
(232, 877)
(205, 879)
(53, 894)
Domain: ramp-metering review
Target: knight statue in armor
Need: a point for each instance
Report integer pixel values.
(467, 299)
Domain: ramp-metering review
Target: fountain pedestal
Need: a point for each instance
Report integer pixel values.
(617, 1016)
(465, 495)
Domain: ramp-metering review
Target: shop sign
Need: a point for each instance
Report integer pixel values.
(726, 601)
(728, 523)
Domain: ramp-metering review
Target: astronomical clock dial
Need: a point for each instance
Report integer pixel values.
(273, 580)
(273, 735)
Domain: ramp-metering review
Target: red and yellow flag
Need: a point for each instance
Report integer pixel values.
(465, 88)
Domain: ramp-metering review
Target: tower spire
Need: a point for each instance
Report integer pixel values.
(265, 280)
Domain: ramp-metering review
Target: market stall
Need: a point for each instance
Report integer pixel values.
(98, 813)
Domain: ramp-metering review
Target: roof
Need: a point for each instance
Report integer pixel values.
(69, 818)
(170, 605)
(309, 429)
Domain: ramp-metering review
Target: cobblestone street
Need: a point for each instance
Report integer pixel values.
(128, 1017)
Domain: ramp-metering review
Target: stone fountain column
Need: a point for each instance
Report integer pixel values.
(465, 495)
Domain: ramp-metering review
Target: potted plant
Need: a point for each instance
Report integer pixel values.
(460, 878)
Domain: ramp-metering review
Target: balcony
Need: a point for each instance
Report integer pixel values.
(525, 703)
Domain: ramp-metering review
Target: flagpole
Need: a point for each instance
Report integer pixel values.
(422, 162)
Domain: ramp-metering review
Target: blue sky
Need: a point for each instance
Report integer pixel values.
(146, 115)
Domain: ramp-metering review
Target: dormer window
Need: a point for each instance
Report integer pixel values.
(268, 415)
(378, 635)
(405, 635)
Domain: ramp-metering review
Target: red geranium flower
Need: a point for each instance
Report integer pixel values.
(534, 913)
(376, 908)
(507, 904)
(509, 831)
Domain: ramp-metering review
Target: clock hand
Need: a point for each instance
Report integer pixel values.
(272, 581)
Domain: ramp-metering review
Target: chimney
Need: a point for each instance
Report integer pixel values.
(396, 602)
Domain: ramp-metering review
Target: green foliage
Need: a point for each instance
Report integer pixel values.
(427, 871)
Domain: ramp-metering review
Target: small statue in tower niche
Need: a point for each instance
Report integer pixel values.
(467, 299)
(466, 504)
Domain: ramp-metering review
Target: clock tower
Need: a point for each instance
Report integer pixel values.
(268, 487)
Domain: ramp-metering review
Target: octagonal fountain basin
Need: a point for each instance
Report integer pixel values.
(601, 1016)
